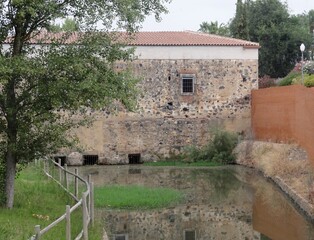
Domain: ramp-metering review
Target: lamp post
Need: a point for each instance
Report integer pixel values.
(302, 48)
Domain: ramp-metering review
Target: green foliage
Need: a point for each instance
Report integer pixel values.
(279, 34)
(309, 80)
(69, 25)
(218, 150)
(135, 197)
(72, 80)
(38, 201)
(215, 28)
(239, 26)
(296, 78)
(46, 91)
(286, 81)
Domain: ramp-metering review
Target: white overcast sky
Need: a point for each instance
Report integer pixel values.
(189, 14)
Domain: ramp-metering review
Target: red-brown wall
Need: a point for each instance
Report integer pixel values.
(284, 114)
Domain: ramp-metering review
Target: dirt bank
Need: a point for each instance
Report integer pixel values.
(286, 164)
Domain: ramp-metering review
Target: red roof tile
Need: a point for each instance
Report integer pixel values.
(185, 38)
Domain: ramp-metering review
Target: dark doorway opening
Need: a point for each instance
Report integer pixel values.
(62, 158)
(135, 158)
(90, 159)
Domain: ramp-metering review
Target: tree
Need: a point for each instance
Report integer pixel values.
(69, 25)
(278, 33)
(215, 28)
(43, 89)
(239, 25)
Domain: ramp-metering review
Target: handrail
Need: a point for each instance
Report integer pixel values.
(86, 201)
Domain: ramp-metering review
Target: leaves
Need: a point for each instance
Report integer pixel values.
(278, 33)
(46, 89)
(215, 28)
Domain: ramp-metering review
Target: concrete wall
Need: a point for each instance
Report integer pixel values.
(284, 114)
(196, 52)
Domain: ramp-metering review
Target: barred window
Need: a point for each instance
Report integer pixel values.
(187, 83)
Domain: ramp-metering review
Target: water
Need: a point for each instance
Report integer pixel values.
(230, 202)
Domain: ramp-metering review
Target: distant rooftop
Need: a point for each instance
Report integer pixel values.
(171, 38)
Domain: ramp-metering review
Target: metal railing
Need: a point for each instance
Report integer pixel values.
(70, 182)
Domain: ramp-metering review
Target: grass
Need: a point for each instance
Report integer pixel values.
(183, 164)
(279, 160)
(39, 201)
(135, 197)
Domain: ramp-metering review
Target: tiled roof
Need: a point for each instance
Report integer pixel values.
(184, 38)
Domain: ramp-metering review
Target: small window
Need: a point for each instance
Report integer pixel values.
(120, 237)
(187, 83)
(90, 159)
(189, 235)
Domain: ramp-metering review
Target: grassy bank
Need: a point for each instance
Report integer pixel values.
(135, 197)
(286, 161)
(38, 201)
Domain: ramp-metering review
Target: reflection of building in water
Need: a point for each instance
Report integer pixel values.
(220, 203)
(201, 222)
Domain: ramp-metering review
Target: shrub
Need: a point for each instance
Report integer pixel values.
(288, 80)
(219, 149)
(266, 82)
(309, 81)
(309, 68)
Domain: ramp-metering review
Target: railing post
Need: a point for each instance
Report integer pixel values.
(89, 195)
(47, 166)
(60, 171)
(37, 232)
(85, 216)
(92, 214)
(66, 182)
(75, 182)
(68, 222)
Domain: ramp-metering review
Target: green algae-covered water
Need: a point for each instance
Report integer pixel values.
(221, 203)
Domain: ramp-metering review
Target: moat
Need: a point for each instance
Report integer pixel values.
(229, 202)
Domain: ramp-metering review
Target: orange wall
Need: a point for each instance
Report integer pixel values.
(284, 114)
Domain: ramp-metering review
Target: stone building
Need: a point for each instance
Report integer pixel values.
(190, 81)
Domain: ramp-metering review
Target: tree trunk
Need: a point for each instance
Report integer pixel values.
(12, 126)
(11, 158)
(10, 178)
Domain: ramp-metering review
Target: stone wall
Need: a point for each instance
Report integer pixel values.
(206, 222)
(222, 88)
(166, 120)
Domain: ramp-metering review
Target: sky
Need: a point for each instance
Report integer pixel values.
(189, 14)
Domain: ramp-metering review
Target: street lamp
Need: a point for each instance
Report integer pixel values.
(302, 48)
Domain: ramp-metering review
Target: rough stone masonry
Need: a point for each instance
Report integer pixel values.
(166, 120)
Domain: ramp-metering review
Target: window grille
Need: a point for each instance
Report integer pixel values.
(189, 235)
(187, 83)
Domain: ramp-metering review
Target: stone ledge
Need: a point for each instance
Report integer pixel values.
(302, 203)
